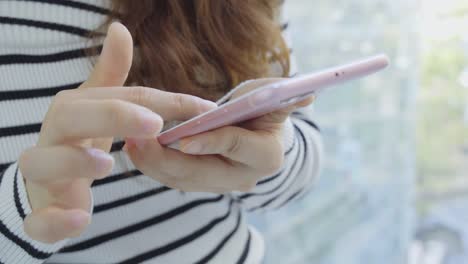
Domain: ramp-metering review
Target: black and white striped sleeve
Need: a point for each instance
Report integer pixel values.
(302, 162)
(15, 245)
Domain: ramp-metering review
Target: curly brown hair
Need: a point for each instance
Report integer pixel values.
(202, 47)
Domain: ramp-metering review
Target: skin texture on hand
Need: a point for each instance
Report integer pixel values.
(231, 158)
(77, 133)
(60, 203)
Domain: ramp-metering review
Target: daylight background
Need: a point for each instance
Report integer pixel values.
(395, 184)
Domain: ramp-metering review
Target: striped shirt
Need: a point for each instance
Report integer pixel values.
(135, 218)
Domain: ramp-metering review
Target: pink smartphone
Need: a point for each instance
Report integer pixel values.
(272, 97)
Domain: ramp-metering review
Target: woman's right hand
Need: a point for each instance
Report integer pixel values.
(77, 133)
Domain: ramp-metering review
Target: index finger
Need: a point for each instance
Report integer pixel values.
(170, 106)
(274, 120)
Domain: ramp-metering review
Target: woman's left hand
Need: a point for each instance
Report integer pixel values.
(231, 158)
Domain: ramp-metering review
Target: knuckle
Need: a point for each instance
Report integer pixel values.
(139, 94)
(180, 102)
(234, 144)
(23, 161)
(114, 112)
(63, 96)
(59, 106)
(62, 112)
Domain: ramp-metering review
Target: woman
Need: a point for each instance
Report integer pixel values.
(63, 127)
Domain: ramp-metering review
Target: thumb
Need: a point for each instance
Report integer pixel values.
(115, 60)
(274, 120)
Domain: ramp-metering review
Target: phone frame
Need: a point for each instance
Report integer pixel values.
(272, 97)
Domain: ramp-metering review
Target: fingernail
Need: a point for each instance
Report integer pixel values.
(151, 122)
(137, 142)
(80, 219)
(206, 105)
(103, 159)
(193, 147)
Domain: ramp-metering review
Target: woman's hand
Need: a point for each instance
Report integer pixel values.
(231, 158)
(77, 133)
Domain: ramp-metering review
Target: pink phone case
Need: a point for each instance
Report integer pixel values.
(272, 97)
